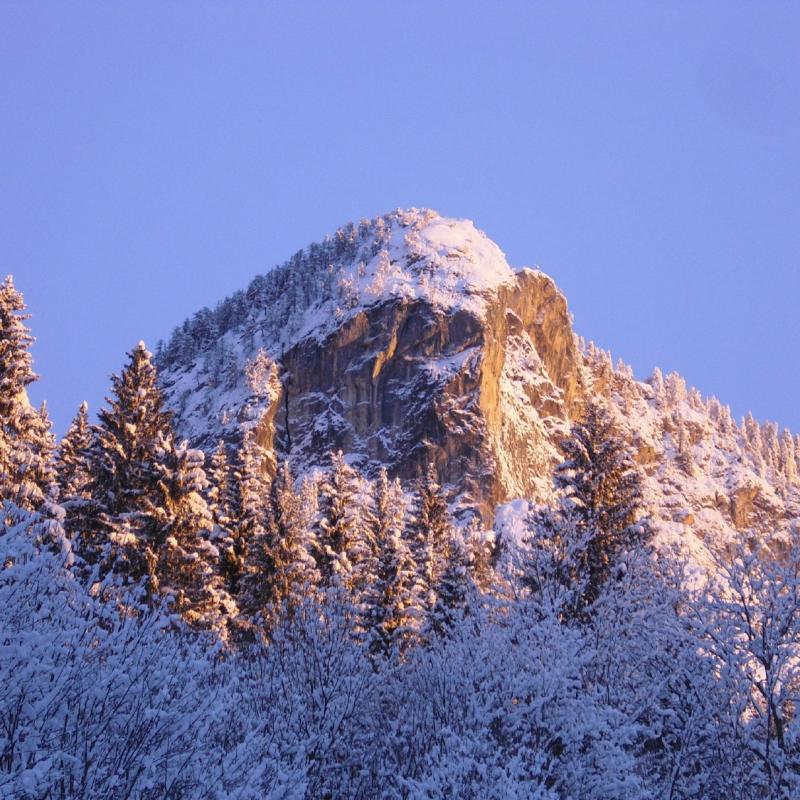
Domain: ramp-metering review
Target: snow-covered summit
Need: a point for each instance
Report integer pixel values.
(415, 254)
(437, 258)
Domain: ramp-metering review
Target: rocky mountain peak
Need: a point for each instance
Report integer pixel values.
(408, 339)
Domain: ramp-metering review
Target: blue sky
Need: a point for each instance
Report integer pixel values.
(155, 156)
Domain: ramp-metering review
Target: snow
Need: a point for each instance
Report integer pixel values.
(446, 262)
(419, 255)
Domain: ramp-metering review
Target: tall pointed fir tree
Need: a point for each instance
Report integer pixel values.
(392, 610)
(220, 491)
(222, 497)
(431, 534)
(295, 570)
(120, 528)
(145, 519)
(247, 564)
(601, 486)
(453, 591)
(294, 575)
(481, 547)
(26, 440)
(185, 570)
(336, 527)
(72, 461)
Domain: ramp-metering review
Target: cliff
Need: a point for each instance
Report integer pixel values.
(408, 339)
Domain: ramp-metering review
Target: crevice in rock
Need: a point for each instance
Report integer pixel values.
(286, 382)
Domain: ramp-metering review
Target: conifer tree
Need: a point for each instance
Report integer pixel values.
(249, 531)
(481, 553)
(684, 447)
(336, 528)
(294, 572)
(221, 496)
(72, 464)
(392, 610)
(121, 525)
(144, 519)
(788, 457)
(26, 440)
(185, 568)
(602, 488)
(453, 589)
(431, 532)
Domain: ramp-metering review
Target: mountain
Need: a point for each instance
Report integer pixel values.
(409, 339)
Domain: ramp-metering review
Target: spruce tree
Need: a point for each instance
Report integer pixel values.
(72, 464)
(453, 589)
(602, 488)
(220, 493)
(294, 572)
(222, 498)
(249, 529)
(26, 440)
(392, 611)
(481, 553)
(184, 569)
(336, 528)
(121, 525)
(431, 532)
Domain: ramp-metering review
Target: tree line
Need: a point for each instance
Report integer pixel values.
(176, 626)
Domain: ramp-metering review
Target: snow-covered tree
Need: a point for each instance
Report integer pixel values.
(601, 485)
(454, 591)
(220, 491)
(788, 458)
(431, 534)
(482, 553)
(250, 527)
(554, 566)
(336, 529)
(392, 610)
(748, 620)
(121, 524)
(294, 572)
(26, 440)
(185, 560)
(144, 521)
(72, 462)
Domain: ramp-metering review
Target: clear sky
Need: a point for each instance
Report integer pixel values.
(155, 156)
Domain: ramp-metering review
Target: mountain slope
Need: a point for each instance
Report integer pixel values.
(409, 339)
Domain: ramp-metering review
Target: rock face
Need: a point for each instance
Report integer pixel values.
(403, 383)
(408, 339)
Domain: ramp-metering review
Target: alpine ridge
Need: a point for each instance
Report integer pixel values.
(408, 339)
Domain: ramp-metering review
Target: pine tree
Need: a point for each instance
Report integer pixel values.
(184, 567)
(392, 609)
(684, 448)
(72, 464)
(431, 532)
(788, 457)
(121, 525)
(294, 572)
(453, 591)
(336, 529)
(753, 442)
(481, 553)
(26, 440)
(250, 547)
(602, 488)
(554, 565)
(220, 494)
(363, 549)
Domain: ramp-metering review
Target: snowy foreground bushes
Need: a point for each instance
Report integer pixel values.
(657, 695)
